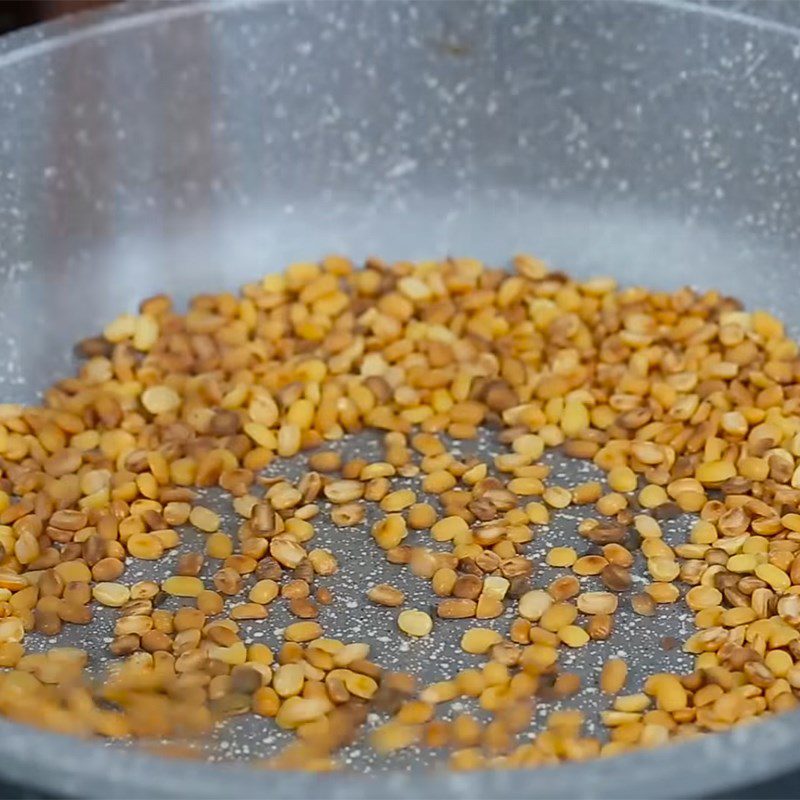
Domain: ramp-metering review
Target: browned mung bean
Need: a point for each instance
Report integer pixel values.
(385, 595)
(613, 675)
(323, 596)
(615, 578)
(599, 626)
(467, 586)
(303, 607)
(643, 605)
(348, 514)
(456, 608)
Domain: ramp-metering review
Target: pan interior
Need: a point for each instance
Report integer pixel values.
(260, 135)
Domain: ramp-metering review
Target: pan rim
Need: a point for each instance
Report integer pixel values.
(66, 764)
(37, 40)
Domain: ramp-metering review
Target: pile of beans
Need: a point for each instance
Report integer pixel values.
(686, 402)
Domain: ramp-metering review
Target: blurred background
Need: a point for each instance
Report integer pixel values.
(19, 13)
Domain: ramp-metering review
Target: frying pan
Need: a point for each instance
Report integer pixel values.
(191, 147)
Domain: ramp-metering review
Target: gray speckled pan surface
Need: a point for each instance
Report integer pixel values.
(186, 148)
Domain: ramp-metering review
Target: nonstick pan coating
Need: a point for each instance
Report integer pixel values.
(191, 147)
